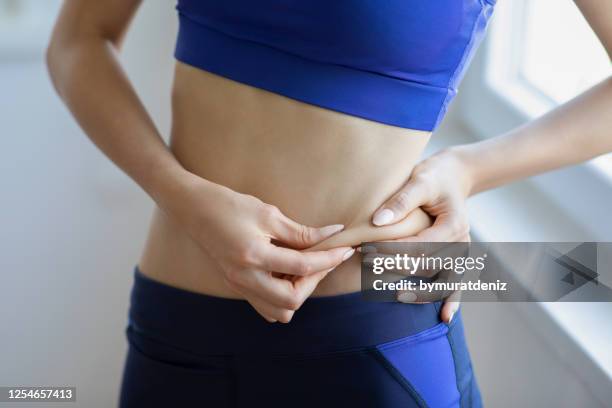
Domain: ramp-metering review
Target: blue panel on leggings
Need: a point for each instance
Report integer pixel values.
(425, 361)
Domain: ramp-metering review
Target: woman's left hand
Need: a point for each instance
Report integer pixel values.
(439, 185)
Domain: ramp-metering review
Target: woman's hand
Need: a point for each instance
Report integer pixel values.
(250, 241)
(439, 185)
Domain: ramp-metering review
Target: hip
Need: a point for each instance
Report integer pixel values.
(337, 351)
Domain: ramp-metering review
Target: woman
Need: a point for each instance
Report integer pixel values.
(292, 123)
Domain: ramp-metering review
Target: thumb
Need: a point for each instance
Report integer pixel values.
(411, 196)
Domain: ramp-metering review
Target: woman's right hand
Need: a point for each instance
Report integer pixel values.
(257, 246)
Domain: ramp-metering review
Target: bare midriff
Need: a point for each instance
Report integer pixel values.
(318, 166)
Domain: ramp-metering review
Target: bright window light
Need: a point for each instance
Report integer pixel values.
(560, 54)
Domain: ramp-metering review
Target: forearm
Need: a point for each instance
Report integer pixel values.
(91, 82)
(574, 132)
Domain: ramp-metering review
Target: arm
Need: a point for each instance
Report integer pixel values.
(82, 62)
(572, 133)
(86, 74)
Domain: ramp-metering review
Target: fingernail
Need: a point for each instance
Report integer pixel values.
(348, 254)
(407, 297)
(450, 319)
(365, 249)
(383, 217)
(331, 229)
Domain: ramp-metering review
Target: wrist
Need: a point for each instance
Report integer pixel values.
(171, 186)
(465, 158)
(192, 201)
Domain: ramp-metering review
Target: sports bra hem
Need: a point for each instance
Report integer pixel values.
(355, 92)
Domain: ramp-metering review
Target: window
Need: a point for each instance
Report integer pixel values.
(560, 54)
(542, 53)
(537, 54)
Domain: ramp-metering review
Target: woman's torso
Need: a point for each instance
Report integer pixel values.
(318, 166)
(397, 65)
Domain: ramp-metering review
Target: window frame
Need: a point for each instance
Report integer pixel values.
(492, 88)
(573, 334)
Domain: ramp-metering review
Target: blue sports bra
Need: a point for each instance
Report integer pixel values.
(397, 62)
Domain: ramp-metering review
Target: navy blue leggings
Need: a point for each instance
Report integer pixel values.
(193, 350)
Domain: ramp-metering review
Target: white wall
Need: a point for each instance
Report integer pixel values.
(72, 227)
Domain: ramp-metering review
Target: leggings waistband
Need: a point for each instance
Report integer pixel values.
(222, 326)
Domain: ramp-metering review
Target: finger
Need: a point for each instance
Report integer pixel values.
(364, 248)
(292, 262)
(280, 292)
(307, 284)
(284, 309)
(269, 311)
(450, 227)
(413, 195)
(300, 236)
(264, 309)
(261, 284)
(450, 307)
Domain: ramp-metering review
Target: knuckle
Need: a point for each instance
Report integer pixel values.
(269, 212)
(426, 183)
(303, 268)
(247, 255)
(304, 233)
(401, 201)
(232, 278)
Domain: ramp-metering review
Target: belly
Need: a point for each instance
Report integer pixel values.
(318, 166)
